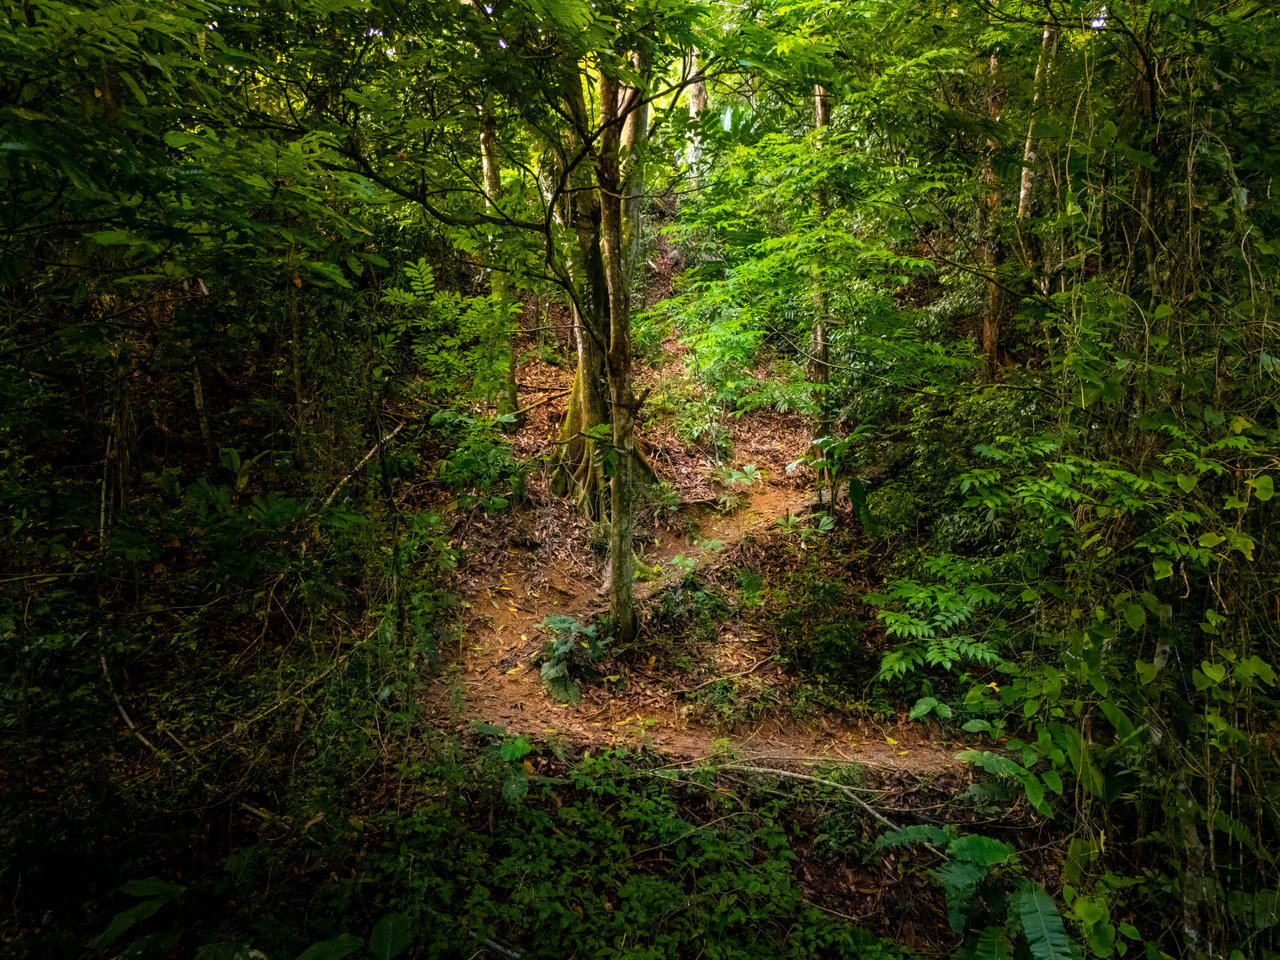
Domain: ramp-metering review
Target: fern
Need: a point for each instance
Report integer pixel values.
(1041, 923)
(422, 285)
(993, 943)
(959, 881)
(983, 851)
(915, 833)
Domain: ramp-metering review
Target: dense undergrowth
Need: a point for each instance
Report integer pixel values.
(264, 268)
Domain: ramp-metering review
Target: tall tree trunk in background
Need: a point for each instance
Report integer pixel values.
(577, 471)
(819, 351)
(990, 254)
(635, 134)
(697, 105)
(508, 400)
(624, 405)
(1026, 187)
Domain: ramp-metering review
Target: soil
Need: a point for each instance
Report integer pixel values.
(540, 561)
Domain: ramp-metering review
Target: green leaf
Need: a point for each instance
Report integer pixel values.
(562, 688)
(335, 949)
(922, 708)
(126, 919)
(112, 238)
(1263, 487)
(391, 936)
(1210, 539)
(153, 887)
(915, 833)
(1035, 794)
(515, 748)
(1041, 923)
(984, 851)
(328, 271)
(993, 763)
(573, 15)
(1163, 569)
(992, 944)
(1217, 672)
(959, 881)
(1187, 483)
(515, 787)
(1135, 615)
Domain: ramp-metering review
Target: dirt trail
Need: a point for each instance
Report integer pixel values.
(545, 566)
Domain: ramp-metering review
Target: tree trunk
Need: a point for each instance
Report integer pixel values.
(1026, 186)
(621, 395)
(635, 134)
(576, 470)
(990, 254)
(508, 400)
(819, 351)
(697, 104)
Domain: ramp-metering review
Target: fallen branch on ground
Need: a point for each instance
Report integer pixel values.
(544, 400)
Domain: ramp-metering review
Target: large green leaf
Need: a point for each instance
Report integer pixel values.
(1041, 923)
(338, 948)
(391, 936)
(993, 943)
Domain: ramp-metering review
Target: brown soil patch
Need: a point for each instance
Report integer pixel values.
(539, 562)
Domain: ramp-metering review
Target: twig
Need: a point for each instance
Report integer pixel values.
(124, 714)
(732, 676)
(133, 728)
(850, 792)
(373, 452)
(544, 400)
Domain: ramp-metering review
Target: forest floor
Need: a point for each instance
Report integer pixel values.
(719, 689)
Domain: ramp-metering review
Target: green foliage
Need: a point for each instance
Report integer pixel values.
(1041, 924)
(453, 339)
(481, 468)
(928, 615)
(570, 646)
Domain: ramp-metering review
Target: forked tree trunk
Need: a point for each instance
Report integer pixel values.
(635, 133)
(577, 470)
(697, 104)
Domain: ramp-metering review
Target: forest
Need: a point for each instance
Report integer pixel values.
(639, 478)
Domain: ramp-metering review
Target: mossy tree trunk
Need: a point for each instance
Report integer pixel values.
(577, 471)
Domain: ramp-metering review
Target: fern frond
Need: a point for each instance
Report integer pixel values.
(1041, 923)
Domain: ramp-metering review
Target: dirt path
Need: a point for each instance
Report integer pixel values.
(541, 569)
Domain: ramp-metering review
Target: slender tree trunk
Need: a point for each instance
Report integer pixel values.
(621, 394)
(508, 400)
(1030, 158)
(697, 105)
(635, 133)
(819, 350)
(990, 254)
